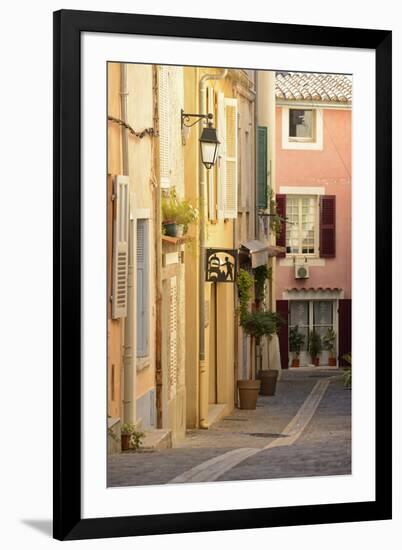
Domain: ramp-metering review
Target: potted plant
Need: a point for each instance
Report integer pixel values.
(130, 437)
(256, 324)
(177, 214)
(329, 345)
(315, 347)
(296, 341)
(248, 389)
(127, 431)
(268, 324)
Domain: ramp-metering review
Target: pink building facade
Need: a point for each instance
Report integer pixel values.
(314, 197)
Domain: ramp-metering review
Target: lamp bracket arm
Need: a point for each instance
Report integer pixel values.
(185, 118)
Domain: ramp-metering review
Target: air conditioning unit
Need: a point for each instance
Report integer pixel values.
(301, 271)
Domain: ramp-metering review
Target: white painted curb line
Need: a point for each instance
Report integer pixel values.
(212, 469)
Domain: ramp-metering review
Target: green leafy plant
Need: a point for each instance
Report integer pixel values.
(127, 429)
(178, 211)
(136, 440)
(258, 323)
(348, 358)
(245, 282)
(347, 378)
(262, 274)
(314, 345)
(296, 340)
(136, 436)
(329, 341)
(275, 220)
(261, 323)
(347, 373)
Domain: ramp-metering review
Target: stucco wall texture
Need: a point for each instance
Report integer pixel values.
(330, 168)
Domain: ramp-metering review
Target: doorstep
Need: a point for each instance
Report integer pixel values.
(215, 413)
(303, 372)
(157, 439)
(323, 368)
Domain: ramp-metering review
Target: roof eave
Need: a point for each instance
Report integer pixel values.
(314, 104)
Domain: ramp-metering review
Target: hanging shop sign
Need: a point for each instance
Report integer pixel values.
(221, 265)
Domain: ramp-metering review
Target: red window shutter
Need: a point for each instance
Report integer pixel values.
(327, 226)
(344, 330)
(282, 308)
(281, 209)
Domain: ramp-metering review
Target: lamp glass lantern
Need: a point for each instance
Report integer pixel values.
(209, 146)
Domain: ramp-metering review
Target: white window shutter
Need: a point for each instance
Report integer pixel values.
(173, 338)
(221, 162)
(142, 285)
(164, 127)
(120, 247)
(231, 158)
(211, 171)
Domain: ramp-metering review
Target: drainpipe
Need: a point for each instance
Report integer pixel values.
(203, 373)
(129, 409)
(257, 228)
(159, 397)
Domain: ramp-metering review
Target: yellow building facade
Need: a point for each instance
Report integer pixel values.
(175, 348)
(226, 197)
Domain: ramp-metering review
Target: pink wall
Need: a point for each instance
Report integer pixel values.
(330, 168)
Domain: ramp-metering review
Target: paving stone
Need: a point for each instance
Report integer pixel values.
(324, 448)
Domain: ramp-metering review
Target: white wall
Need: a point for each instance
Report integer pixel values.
(26, 324)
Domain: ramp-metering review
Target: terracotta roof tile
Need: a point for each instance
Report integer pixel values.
(335, 88)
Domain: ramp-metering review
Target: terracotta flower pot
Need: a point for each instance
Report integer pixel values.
(316, 361)
(332, 361)
(125, 442)
(268, 382)
(295, 363)
(248, 393)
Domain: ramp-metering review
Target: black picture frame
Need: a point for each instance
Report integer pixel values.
(68, 27)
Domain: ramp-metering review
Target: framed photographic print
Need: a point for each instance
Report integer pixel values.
(222, 249)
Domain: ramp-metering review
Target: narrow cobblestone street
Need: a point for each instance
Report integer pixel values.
(280, 439)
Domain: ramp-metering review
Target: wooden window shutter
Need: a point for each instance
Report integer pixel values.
(173, 337)
(120, 247)
(230, 187)
(281, 210)
(327, 226)
(282, 308)
(262, 167)
(211, 171)
(344, 330)
(221, 163)
(164, 127)
(142, 284)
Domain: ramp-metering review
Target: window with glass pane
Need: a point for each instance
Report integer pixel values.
(322, 316)
(301, 124)
(300, 224)
(299, 316)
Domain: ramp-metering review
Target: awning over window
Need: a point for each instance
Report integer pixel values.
(313, 293)
(259, 252)
(315, 289)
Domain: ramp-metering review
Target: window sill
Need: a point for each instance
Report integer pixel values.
(176, 240)
(302, 145)
(312, 261)
(301, 140)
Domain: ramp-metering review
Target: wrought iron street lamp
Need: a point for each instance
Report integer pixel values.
(209, 146)
(208, 140)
